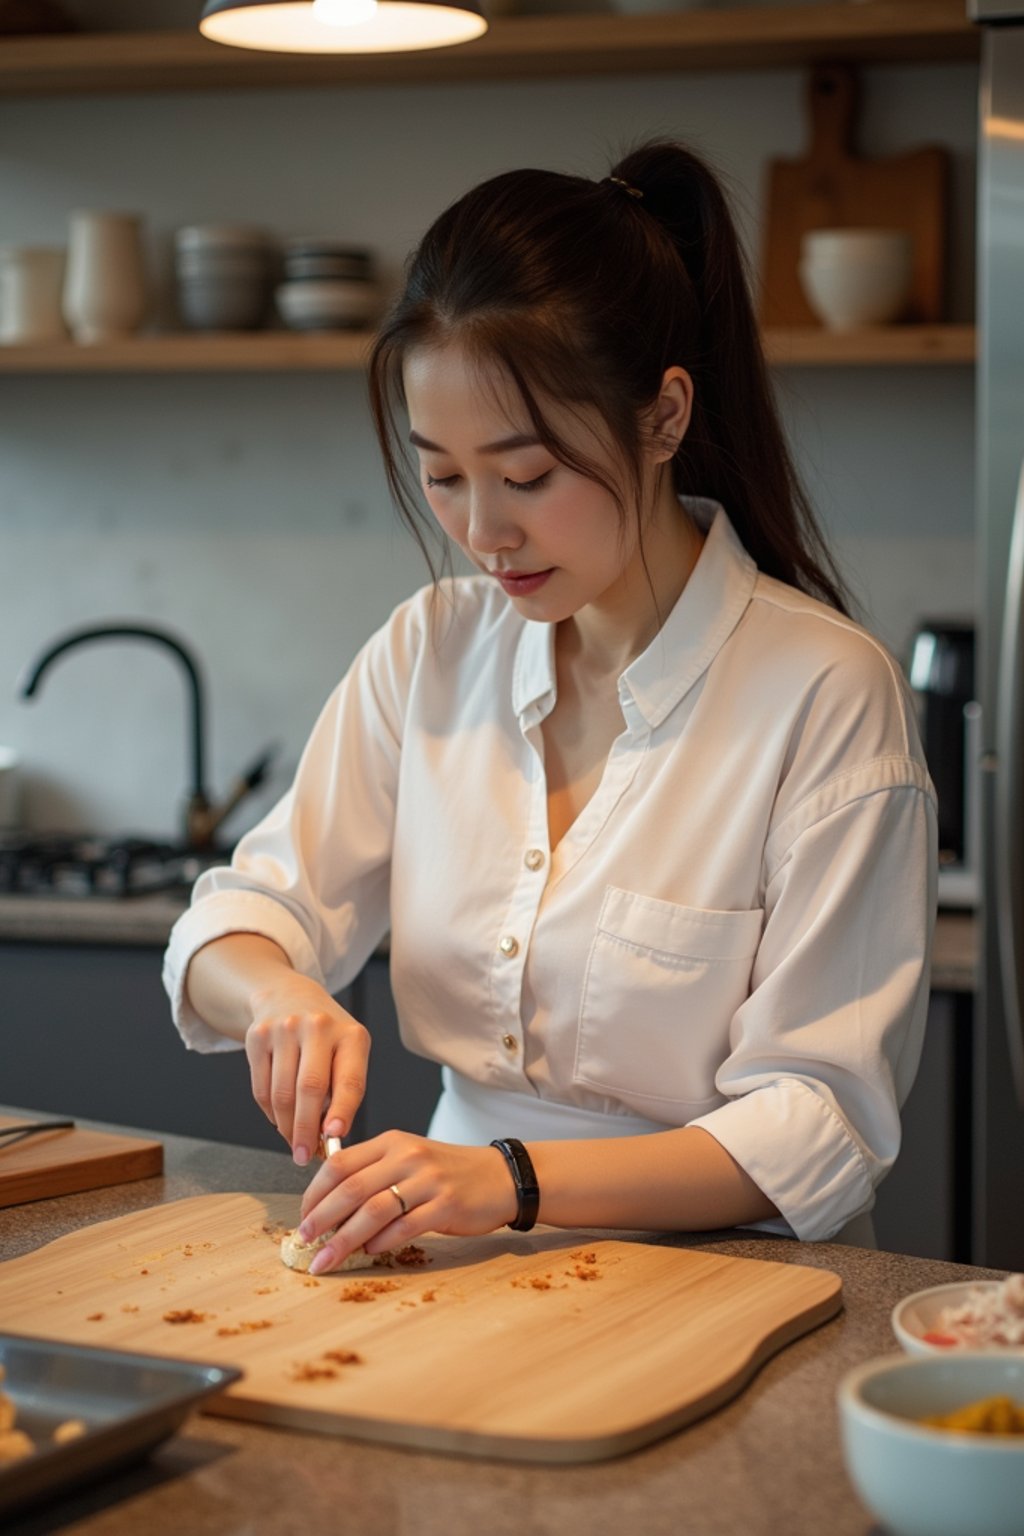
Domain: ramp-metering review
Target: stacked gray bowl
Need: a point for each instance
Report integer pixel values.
(225, 276)
(327, 287)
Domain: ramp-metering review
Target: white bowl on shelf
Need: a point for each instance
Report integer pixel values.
(918, 1314)
(919, 1479)
(331, 304)
(854, 278)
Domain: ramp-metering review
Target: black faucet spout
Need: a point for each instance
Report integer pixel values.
(33, 676)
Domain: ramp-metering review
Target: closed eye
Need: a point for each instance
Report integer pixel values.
(444, 482)
(528, 485)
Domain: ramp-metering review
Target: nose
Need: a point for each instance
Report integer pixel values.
(491, 527)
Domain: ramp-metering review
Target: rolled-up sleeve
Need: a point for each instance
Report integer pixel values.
(823, 1051)
(314, 875)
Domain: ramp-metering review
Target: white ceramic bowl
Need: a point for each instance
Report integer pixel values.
(922, 1481)
(856, 277)
(918, 1314)
(327, 305)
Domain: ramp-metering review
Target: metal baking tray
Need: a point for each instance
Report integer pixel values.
(129, 1403)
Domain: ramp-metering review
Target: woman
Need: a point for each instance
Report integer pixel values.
(644, 811)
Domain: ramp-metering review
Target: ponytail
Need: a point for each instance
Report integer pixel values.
(587, 291)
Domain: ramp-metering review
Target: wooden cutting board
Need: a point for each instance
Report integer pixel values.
(832, 187)
(535, 1347)
(64, 1162)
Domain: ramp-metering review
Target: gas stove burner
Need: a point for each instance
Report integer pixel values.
(75, 865)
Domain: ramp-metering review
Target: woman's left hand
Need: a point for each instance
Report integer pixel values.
(442, 1188)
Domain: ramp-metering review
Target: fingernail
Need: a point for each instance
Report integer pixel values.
(323, 1260)
(301, 1156)
(304, 1232)
(334, 1127)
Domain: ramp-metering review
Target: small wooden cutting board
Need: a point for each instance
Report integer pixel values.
(537, 1347)
(832, 187)
(64, 1162)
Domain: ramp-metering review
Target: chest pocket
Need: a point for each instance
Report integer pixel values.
(661, 986)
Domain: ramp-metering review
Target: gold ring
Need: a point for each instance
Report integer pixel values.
(398, 1196)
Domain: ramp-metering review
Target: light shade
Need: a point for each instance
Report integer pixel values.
(324, 26)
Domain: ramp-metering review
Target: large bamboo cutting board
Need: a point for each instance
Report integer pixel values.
(834, 187)
(532, 1347)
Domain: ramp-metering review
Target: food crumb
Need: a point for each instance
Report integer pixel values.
(265, 1290)
(307, 1372)
(584, 1272)
(311, 1281)
(184, 1315)
(430, 1295)
(96, 1317)
(255, 1326)
(14, 1445)
(368, 1290)
(129, 1306)
(71, 1429)
(343, 1356)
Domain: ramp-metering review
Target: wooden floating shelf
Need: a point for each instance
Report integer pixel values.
(196, 352)
(886, 345)
(515, 47)
(340, 351)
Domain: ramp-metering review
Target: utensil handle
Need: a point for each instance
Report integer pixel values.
(14, 1133)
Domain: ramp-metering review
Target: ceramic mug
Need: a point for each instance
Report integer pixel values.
(31, 282)
(105, 284)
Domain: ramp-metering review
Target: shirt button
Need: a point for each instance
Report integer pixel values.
(510, 1043)
(534, 858)
(508, 945)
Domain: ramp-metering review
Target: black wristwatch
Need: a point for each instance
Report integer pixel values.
(527, 1188)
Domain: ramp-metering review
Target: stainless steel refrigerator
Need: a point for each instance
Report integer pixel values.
(997, 1139)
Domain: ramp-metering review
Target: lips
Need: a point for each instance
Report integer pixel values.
(521, 583)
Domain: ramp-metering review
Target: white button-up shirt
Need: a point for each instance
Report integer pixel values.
(735, 933)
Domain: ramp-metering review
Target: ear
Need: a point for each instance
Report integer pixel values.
(670, 414)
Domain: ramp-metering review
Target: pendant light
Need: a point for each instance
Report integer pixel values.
(341, 26)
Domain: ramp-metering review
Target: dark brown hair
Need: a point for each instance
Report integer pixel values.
(582, 292)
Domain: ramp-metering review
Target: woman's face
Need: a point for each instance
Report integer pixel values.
(552, 538)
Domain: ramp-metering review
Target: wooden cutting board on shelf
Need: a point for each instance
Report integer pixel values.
(534, 1347)
(832, 187)
(66, 1161)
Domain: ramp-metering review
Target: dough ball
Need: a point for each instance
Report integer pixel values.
(299, 1255)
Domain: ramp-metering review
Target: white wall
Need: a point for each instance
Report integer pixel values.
(249, 513)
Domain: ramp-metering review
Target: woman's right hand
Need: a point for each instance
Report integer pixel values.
(307, 1059)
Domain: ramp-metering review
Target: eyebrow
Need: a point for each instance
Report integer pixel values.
(501, 445)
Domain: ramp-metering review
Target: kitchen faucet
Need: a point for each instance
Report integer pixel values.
(201, 818)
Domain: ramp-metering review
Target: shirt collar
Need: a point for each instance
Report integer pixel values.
(707, 611)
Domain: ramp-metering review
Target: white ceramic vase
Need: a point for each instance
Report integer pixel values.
(105, 283)
(31, 283)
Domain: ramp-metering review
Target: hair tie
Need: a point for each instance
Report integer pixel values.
(617, 181)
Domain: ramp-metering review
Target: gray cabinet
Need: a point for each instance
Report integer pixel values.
(85, 1030)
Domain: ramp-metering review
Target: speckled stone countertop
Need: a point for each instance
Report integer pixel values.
(768, 1462)
(141, 920)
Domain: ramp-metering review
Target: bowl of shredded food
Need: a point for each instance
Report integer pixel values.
(986, 1315)
(935, 1446)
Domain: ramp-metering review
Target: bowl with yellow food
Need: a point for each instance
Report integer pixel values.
(935, 1445)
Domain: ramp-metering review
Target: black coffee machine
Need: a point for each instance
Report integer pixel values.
(942, 676)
